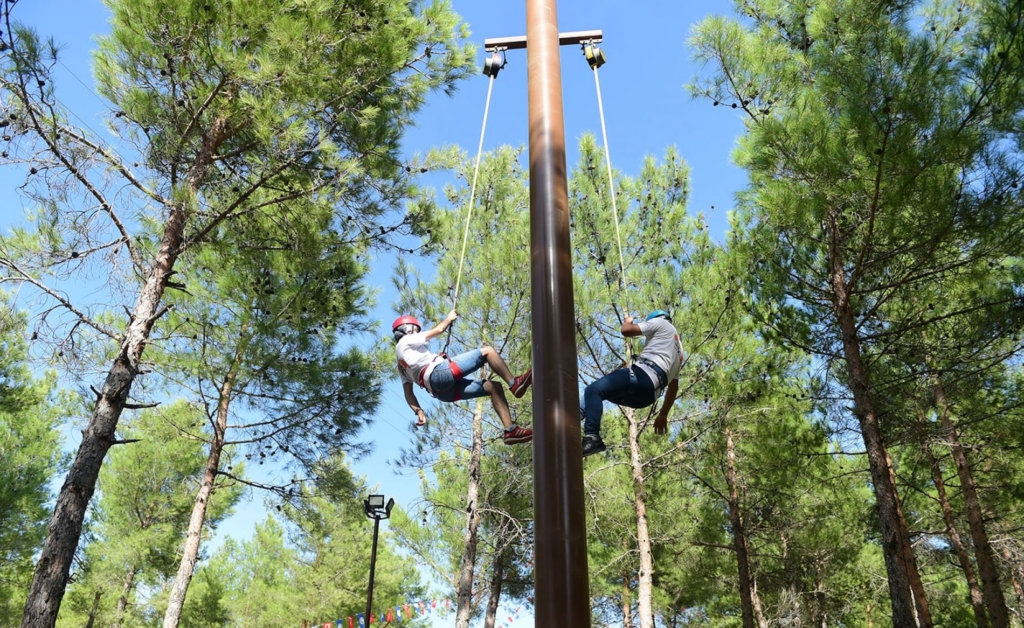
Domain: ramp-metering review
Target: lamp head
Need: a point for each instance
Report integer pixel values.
(375, 508)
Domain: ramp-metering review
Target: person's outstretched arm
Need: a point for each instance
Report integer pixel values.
(442, 326)
(661, 422)
(410, 398)
(630, 329)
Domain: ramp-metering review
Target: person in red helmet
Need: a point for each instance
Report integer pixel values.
(446, 378)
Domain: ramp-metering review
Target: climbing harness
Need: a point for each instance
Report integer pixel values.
(492, 65)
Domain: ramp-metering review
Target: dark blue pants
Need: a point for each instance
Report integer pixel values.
(619, 388)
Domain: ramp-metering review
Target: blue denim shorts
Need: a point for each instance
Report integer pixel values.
(448, 381)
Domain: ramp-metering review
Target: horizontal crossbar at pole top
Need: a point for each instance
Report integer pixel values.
(564, 39)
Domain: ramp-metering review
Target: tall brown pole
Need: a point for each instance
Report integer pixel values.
(562, 588)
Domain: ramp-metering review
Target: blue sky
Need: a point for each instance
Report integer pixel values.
(646, 106)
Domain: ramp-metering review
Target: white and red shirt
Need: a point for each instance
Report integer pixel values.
(415, 360)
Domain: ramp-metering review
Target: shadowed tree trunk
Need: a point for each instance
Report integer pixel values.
(92, 612)
(820, 616)
(494, 597)
(126, 591)
(749, 602)
(1015, 577)
(464, 610)
(954, 535)
(758, 610)
(991, 590)
(923, 613)
(900, 564)
(645, 587)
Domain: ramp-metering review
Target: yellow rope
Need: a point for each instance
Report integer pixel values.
(611, 191)
(472, 193)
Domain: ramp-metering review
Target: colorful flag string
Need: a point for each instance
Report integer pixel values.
(406, 611)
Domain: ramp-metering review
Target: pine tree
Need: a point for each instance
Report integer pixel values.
(146, 494)
(30, 456)
(231, 111)
(875, 151)
(308, 562)
(255, 335)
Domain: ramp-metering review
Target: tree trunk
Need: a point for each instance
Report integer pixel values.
(645, 586)
(1015, 577)
(627, 593)
(898, 558)
(991, 590)
(464, 610)
(50, 578)
(51, 574)
(755, 598)
(190, 553)
(819, 617)
(497, 579)
(92, 613)
(954, 535)
(924, 616)
(126, 591)
(749, 602)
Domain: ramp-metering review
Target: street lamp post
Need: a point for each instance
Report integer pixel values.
(375, 509)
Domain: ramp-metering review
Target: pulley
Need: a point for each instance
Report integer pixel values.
(595, 56)
(493, 64)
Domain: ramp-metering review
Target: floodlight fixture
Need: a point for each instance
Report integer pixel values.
(375, 509)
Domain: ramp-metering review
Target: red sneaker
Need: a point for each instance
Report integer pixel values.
(517, 435)
(521, 383)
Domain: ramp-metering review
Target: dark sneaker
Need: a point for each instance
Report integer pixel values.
(521, 383)
(517, 435)
(592, 444)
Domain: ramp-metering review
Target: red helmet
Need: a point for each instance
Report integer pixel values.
(405, 320)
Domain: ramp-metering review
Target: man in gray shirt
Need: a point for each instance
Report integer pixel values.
(653, 372)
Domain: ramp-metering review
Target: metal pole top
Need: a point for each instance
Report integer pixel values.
(564, 39)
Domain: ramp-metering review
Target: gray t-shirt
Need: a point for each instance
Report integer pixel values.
(663, 348)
